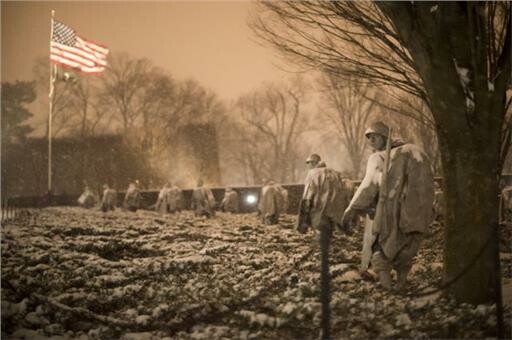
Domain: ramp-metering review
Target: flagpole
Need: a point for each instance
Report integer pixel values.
(53, 69)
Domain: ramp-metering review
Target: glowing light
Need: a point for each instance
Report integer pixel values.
(250, 199)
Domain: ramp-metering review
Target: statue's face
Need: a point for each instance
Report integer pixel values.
(377, 142)
(311, 164)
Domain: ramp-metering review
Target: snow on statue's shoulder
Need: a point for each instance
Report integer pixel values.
(414, 150)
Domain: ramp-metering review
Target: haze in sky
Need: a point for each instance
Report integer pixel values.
(208, 41)
(205, 40)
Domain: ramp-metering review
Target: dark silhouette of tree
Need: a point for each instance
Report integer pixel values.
(14, 113)
(15, 97)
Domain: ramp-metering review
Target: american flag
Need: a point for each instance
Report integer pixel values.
(69, 49)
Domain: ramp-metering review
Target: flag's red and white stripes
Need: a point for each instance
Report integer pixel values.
(69, 49)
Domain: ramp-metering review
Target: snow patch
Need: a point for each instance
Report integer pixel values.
(289, 308)
(463, 74)
(482, 310)
(464, 81)
(34, 319)
(490, 86)
(213, 250)
(142, 319)
(470, 104)
(158, 311)
(111, 279)
(349, 276)
(9, 309)
(403, 320)
(137, 336)
(415, 151)
(131, 313)
(24, 333)
(261, 319)
(339, 268)
(392, 193)
(196, 259)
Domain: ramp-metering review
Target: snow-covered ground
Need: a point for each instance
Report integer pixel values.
(75, 273)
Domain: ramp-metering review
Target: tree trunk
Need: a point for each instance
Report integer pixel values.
(469, 144)
(469, 115)
(471, 205)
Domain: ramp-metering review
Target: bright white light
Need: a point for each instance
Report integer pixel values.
(251, 199)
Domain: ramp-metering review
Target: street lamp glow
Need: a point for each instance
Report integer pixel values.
(250, 199)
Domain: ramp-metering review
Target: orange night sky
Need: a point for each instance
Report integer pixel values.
(208, 41)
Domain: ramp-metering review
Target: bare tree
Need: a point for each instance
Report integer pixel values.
(347, 106)
(125, 84)
(456, 58)
(144, 104)
(272, 120)
(148, 103)
(62, 96)
(246, 152)
(88, 107)
(79, 105)
(15, 97)
(152, 107)
(198, 112)
(142, 99)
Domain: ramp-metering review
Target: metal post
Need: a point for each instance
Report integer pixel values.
(325, 278)
(498, 284)
(7, 208)
(53, 69)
